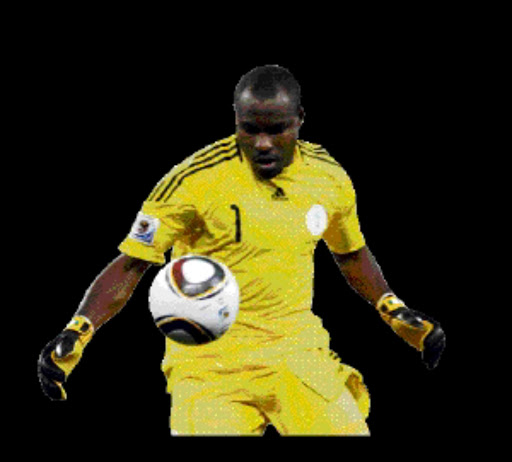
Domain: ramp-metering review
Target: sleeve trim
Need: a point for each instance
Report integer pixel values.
(136, 249)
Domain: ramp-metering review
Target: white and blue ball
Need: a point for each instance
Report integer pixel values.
(194, 299)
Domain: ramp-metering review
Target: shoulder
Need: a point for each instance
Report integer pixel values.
(212, 163)
(321, 162)
(198, 170)
(209, 157)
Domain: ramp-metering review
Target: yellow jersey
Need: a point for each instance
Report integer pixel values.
(265, 231)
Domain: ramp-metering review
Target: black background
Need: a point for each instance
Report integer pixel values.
(103, 117)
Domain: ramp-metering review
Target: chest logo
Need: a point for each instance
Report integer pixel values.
(316, 220)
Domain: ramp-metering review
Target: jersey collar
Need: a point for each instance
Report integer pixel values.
(294, 168)
(289, 173)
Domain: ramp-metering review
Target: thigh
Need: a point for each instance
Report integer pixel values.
(303, 411)
(343, 417)
(208, 408)
(318, 395)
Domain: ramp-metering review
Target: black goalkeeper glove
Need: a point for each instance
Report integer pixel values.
(61, 355)
(417, 329)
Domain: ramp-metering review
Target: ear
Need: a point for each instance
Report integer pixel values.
(302, 114)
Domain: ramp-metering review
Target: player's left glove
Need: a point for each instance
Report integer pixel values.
(417, 329)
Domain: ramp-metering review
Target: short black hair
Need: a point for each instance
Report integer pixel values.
(265, 82)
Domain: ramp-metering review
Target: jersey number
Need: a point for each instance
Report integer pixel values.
(238, 224)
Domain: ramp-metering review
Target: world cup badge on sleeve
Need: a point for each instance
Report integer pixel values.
(144, 228)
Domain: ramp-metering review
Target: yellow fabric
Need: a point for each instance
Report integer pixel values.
(212, 204)
(310, 393)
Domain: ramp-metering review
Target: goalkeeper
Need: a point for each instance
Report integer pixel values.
(261, 198)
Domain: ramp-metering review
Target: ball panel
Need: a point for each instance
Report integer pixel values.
(197, 270)
(177, 273)
(192, 279)
(184, 330)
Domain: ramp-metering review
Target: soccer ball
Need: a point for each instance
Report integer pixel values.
(194, 299)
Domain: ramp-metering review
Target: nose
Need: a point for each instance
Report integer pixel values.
(263, 142)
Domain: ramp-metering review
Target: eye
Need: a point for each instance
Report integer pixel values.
(276, 129)
(249, 128)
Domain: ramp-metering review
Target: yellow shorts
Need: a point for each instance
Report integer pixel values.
(306, 393)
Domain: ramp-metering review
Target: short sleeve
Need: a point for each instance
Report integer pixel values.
(343, 233)
(158, 225)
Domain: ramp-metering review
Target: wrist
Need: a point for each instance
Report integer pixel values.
(83, 327)
(389, 302)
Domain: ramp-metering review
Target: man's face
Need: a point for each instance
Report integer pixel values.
(267, 132)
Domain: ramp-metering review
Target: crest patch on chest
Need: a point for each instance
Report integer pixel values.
(316, 220)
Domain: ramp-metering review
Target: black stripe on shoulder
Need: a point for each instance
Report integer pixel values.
(317, 152)
(158, 187)
(321, 151)
(203, 158)
(324, 158)
(312, 147)
(227, 143)
(209, 163)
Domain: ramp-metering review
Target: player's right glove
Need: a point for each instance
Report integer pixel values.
(61, 355)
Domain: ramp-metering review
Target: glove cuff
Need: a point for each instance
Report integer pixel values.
(407, 324)
(83, 327)
(388, 303)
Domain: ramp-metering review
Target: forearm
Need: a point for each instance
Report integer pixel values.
(363, 274)
(421, 332)
(112, 289)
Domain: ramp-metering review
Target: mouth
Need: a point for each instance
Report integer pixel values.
(266, 162)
